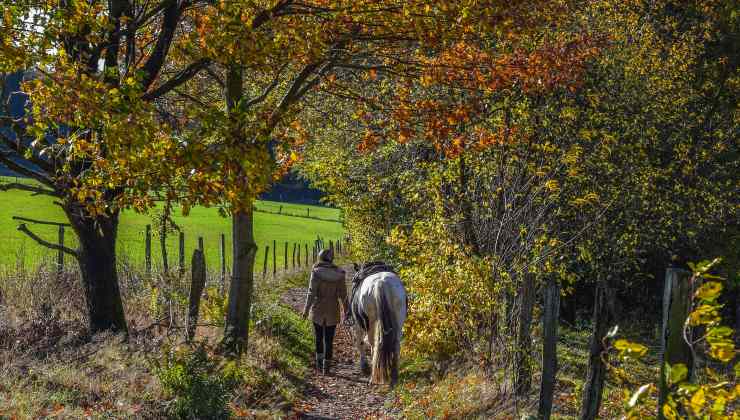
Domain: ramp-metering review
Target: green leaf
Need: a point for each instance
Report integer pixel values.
(630, 349)
(677, 373)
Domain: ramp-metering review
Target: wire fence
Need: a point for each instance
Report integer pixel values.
(149, 256)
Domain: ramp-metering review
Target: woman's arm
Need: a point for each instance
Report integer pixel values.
(311, 296)
(342, 294)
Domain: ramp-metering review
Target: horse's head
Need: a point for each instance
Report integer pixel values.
(357, 272)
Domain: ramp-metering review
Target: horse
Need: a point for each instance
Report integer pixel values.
(378, 307)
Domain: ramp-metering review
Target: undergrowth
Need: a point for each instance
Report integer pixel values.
(50, 366)
(471, 391)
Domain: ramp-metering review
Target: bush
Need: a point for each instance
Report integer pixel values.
(441, 279)
(198, 382)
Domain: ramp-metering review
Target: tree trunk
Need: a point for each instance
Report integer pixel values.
(594, 386)
(737, 317)
(523, 346)
(97, 257)
(236, 334)
(549, 347)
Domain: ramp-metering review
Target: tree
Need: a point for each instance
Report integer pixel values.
(93, 71)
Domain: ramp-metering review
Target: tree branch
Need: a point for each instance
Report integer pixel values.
(183, 76)
(292, 93)
(267, 90)
(170, 19)
(23, 228)
(265, 16)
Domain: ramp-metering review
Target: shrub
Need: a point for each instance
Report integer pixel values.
(440, 280)
(198, 382)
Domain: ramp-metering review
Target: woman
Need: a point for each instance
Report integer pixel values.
(326, 290)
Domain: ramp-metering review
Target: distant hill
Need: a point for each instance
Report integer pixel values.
(293, 189)
(5, 171)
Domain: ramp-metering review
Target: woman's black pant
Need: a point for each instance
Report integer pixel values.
(324, 336)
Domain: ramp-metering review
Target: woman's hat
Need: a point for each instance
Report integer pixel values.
(326, 255)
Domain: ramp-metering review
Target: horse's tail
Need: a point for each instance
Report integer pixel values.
(385, 360)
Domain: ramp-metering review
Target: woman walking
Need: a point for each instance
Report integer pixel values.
(326, 290)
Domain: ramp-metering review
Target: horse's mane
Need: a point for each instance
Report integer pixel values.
(370, 268)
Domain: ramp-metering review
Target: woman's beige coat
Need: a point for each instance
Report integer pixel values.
(326, 290)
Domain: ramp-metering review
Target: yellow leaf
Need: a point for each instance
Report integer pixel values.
(669, 412)
(697, 401)
(709, 290)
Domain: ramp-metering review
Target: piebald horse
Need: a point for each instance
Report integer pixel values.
(378, 308)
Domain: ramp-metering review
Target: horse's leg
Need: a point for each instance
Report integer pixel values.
(358, 337)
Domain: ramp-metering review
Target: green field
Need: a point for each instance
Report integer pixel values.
(17, 249)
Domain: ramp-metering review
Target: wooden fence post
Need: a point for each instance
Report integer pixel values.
(274, 258)
(197, 283)
(148, 249)
(163, 248)
(200, 245)
(308, 212)
(299, 255)
(223, 262)
(264, 266)
(306, 257)
(60, 253)
(181, 246)
(293, 257)
(596, 373)
(549, 346)
(522, 354)
(285, 258)
(677, 293)
(331, 245)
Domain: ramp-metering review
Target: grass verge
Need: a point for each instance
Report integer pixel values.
(49, 366)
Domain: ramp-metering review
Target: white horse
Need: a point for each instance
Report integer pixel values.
(378, 310)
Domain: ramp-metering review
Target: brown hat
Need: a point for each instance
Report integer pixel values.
(326, 255)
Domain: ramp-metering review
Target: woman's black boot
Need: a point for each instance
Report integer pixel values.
(320, 362)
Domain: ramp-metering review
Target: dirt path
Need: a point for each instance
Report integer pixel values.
(345, 394)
